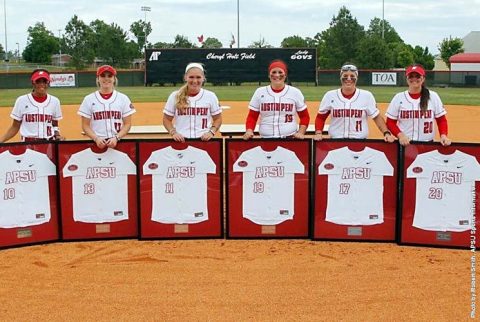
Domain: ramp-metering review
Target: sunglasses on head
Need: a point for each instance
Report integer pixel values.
(352, 68)
(414, 75)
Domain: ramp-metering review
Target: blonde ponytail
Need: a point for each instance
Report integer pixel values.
(181, 99)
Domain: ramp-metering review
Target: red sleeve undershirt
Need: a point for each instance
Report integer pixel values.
(251, 121)
(320, 121)
(442, 125)
(392, 126)
(304, 117)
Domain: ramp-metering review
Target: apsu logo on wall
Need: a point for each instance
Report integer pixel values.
(154, 55)
(302, 54)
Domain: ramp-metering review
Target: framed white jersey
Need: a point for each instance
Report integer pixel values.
(355, 185)
(445, 186)
(179, 184)
(24, 185)
(100, 185)
(268, 184)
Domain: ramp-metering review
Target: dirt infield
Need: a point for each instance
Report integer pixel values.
(225, 280)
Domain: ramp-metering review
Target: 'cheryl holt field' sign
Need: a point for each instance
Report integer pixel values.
(229, 64)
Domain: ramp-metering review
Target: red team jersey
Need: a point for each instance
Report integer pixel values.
(36, 117)
(349, 117)
(196, 120)
(416, 125)
(277, 110)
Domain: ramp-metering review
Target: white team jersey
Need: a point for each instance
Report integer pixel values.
(106, 115)
(277, 110)
(355, 185)
(24, 184)
(179, 184)
(445, 190)
(416, 125)
(196, 120)
(349, 117)
(36, 117)
(100, 185)
(268, 184)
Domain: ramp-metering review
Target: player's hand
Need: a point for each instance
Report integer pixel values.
(248, 135)
(444, 140)
(100, 142)
(389, 138)
(318, 137)
(58, 137)
(207, 136)
(403, 139)
(178, 137)
(299, 135)
(112, 142)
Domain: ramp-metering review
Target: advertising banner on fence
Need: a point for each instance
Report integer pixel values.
(62, 80)
(384, 79)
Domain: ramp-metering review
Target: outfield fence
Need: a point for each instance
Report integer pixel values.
(16, 79)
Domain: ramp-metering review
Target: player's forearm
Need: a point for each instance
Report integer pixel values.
(216, 122)
(380, 123)
(127, 124)
(168, 124)
(302, 129)
(11, 132)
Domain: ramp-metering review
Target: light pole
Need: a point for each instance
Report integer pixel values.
(145, 9)
(5, 18)
(238, 23)
(383, 19)
(59, 48)
(18, 52)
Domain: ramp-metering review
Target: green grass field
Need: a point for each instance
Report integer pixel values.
(450, 96)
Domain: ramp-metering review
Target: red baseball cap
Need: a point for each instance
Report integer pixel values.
(415, 69)
(39, 74)
(106, 68)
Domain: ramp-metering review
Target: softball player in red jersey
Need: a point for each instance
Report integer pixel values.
(106, 114)
(277, 104)
(349, 108)
(36, 115)
(411, 114)
(192, 111)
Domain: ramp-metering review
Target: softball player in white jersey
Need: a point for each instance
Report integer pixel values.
(106, 114)
(411, 114)
(192, 111)
(36, 115)
(349, 108)
(277, 104)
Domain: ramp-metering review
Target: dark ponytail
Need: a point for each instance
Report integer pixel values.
(424, 97)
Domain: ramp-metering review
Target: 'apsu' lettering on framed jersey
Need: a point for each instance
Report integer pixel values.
(445, 189)
(268, 184)
(25, 199)
(179, 185)
(355, 185)
(100, 185)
